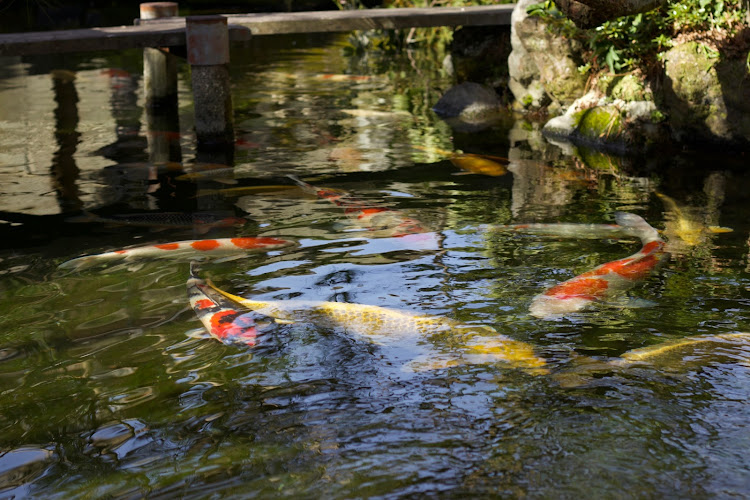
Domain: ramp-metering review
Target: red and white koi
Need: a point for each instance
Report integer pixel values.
(607, 279)
(220, 317)
(375, 218)
(179, 249)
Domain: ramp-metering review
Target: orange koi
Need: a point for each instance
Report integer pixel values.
(179, 249)
(373, 217)
(605, 280)
(218, 315)
(473, 163)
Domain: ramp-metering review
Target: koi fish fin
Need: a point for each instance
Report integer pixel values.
(719, 229)
(230, 258)
(624, 302)
(425, 363)
(228, 181)
(79, 263)
(300, 182)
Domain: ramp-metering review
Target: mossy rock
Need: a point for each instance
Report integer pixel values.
(707, 95)
(599, 123)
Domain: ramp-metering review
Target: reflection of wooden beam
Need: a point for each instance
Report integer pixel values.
(171, 32)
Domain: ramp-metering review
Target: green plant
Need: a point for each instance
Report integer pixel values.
(637, 41)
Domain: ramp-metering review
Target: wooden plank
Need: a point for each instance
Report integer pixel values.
(366, 19)
(93, 39)
(170, 32)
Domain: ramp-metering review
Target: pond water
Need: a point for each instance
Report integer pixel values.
(109, 386)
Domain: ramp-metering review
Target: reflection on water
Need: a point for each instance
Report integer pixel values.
(110, 386)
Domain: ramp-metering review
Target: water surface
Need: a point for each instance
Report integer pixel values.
(110, 388)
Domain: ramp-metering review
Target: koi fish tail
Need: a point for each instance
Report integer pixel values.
(637, 225)
(220, 317)
(88, 261)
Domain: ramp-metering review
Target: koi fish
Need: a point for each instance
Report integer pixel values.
(603, 281)
(686, 227)
(471, 163)
(736, 345)
(200, 222)
(178, 249)
(210, 171)
(373, 217)
(382, 325)
(374, 113)
(565, 230)
(219, 316)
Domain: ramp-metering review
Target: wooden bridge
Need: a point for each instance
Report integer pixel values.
(170, 31)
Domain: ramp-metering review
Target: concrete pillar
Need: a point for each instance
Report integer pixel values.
(162, 111)
(208, 55)
(159, 67)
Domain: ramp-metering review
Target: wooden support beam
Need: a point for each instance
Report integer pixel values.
(171, 32)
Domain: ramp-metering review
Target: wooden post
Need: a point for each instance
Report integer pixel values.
(159, 67)
(208, 55)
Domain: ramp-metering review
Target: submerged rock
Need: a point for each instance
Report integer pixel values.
(469, 107)
(468, 100)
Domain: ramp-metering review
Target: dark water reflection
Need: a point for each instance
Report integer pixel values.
(110, 388)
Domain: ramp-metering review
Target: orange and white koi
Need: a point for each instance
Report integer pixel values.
(373, 217)
(179, 249)
(219, 316)
(607, 279)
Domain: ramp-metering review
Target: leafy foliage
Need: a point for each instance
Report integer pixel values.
(636, 41)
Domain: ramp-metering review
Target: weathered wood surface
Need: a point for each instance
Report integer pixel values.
(170, 32)
(112, 38)
(367, 19)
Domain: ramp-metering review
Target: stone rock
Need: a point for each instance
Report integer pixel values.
(543, 65)
(707, 97)
(468, 101)
(524, 80)
(556, 58)
(609, 125)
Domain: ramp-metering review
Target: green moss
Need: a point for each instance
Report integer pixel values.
(629, 88)
(600, 122)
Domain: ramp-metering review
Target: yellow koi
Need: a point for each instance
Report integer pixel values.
(687, 228)
(382, 325)
(737, 343)
(472, 163)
